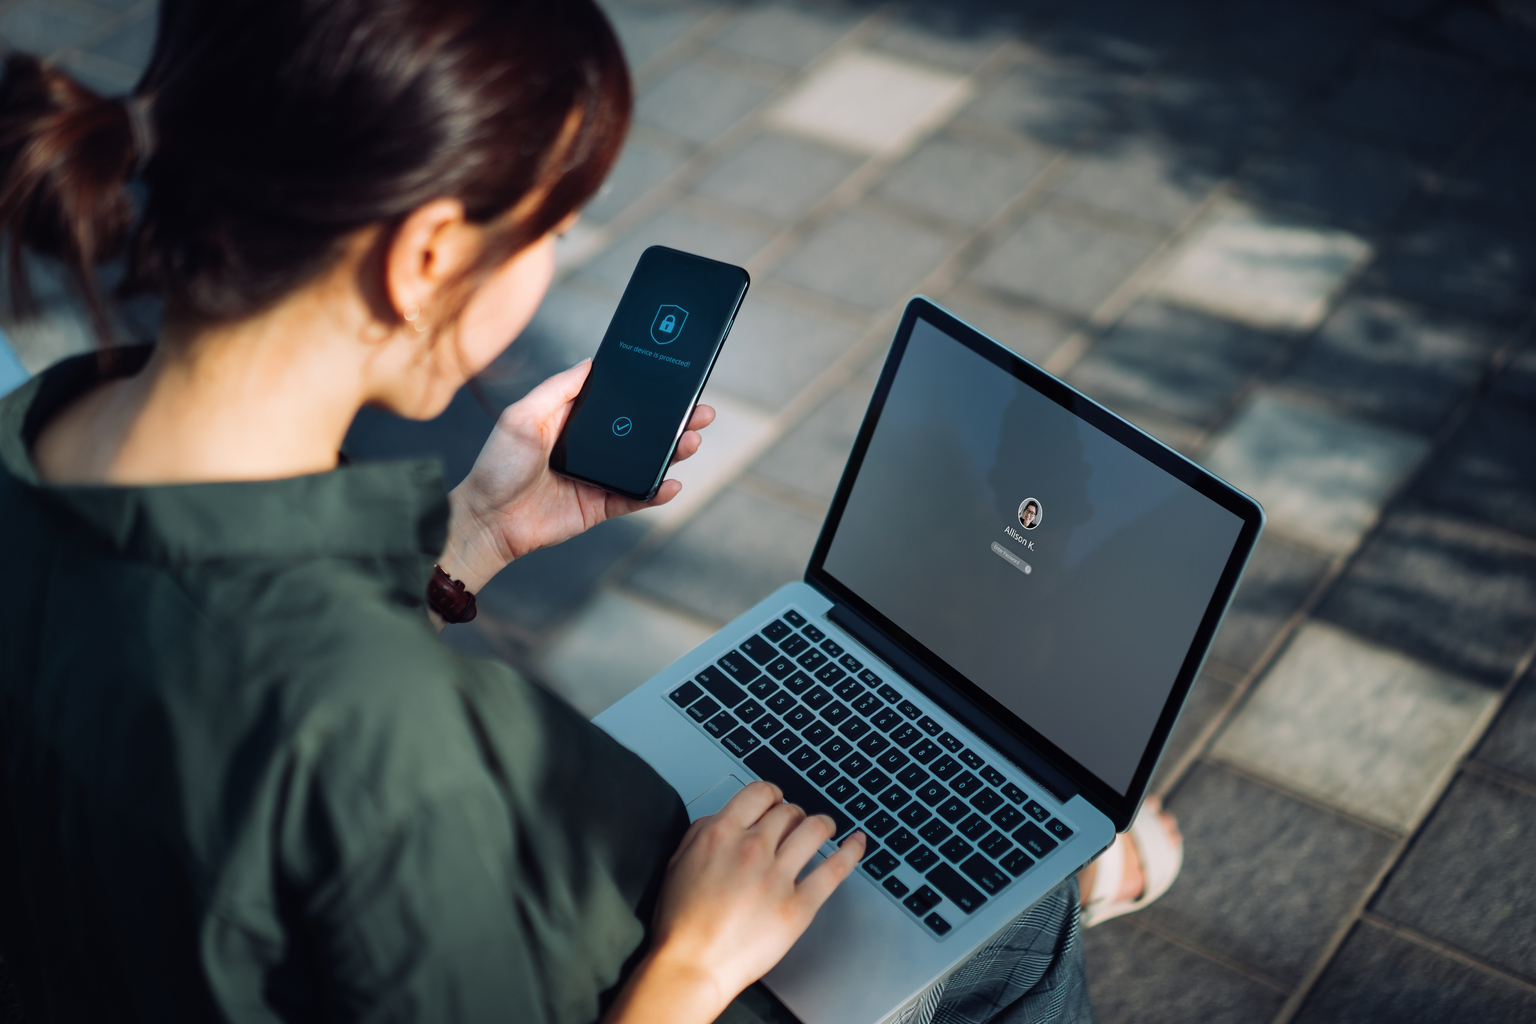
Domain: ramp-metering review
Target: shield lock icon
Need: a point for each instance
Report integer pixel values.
(668, 324)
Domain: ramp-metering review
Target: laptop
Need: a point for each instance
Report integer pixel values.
(1011, 595)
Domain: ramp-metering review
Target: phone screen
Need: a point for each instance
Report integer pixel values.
(649, 371)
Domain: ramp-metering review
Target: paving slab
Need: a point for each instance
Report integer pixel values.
(1510, 745)
(1125, 31)
(1218, 105)
(1487, 471)
(1262, 270)
(1445, 590)
(1267, 879)
(1460, 264)
(131, 43)
(1309, 37)
(1138, 977)
(697, 101)
(865, 256)
(678, 229)
(1029, 331)
(1279, 578)
(871, 102)
(1142, 177)
(615, 644)
(642, 165)
(1327, 177)
(811, 457)
(1468, 879)
(542, 587)
(1413, 96)
(1393, 362)
(1354, 725)
(777, 175)
(1179, 363)
(1493, 181)
(961, 181)
(1321, 477)
(1053, 99)
(777, 348)
(43, 29)
(740, 432)
(1207, 697)
(787, 34)
(1494, 38)
(1380, 975)
(645, 30)
(1062, 262)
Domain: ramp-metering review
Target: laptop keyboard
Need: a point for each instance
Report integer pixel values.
(947, 831)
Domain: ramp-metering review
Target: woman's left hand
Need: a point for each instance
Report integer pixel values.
(513, 503)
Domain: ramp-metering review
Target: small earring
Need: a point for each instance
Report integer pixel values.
(411, 313)
(421, 328)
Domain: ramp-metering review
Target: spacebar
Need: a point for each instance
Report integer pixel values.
(771, 768)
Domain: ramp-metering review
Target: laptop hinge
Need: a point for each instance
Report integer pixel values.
(936, 689)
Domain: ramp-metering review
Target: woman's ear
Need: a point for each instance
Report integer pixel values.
(432, 246)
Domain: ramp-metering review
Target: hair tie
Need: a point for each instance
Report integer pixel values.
(143, 129)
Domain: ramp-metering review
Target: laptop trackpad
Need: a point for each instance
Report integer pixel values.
(714, 798)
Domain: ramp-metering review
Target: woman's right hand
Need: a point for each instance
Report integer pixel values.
(731, 906)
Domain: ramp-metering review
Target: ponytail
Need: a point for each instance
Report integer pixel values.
(66, 155)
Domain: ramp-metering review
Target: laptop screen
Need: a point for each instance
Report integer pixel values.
(1062, 573)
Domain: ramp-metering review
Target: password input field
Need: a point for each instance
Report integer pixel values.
(1011, 558)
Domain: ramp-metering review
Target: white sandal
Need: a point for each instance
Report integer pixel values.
(1161, 859)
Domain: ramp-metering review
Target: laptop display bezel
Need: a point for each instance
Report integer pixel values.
(1119, 807)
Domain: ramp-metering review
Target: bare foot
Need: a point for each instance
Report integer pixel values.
(1132, 879)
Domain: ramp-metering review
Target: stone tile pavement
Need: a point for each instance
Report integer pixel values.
(1293, 239)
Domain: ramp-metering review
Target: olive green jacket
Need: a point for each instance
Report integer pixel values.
(244, 780)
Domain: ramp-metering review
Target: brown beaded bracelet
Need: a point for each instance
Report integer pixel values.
(447, 597)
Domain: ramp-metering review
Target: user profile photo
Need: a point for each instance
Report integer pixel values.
(1030, 513)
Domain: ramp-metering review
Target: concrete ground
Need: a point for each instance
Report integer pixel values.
(1291, 239)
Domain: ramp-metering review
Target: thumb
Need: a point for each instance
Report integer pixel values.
(556, 392)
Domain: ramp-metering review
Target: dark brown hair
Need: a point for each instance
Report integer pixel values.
(265, 132)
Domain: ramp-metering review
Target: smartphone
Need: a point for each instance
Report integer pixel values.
(649, 372)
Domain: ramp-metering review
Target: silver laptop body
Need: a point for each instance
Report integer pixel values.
(1012, 593)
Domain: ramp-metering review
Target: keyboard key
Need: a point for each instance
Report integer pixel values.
(817, 733)
(868, 678)
(805, 757)
(822, 774)
(915, 814)
(891, 760)
(912, 777)
(905, 736)
(797, 683)
(854, 728)
(922, 858)
(895, 886)
(794, 645)
(747, 710)
(785, 742)
(849, 689)
(1060, 831)
(1008, 818)
(767, 726)
(794, 618)
(889, 693)
(816, 635)
(886, 720)
(931, 793)
(909, 709)
(987, 801)
(925, 751)
(861, 806)
(956, 889)
(842, 790)
(832, 647)
(953, 809)
(855, 764)
(875, 780)
(936, 924)
(956, 849)
(995, 845)
(895, 797)
(929, 726)
(945, 767)
(776, 630)
(829, 674)
(737, 666)
(763, 688)
(835, 712)
(993, 776)
(935, 832)
(759, 650)
(817, 698)
(850, 663)
(771, 768)
(720, 725)
(721, 688)
(873, 744)
(1034, 810)
(879, 824)
(780, 667)
(965, 784)
(922, 901)
(1017, 863)
(798, 717)
(980, 870)
(951, 743)
(837, 748)
(685, 694)
(780, 702)
(881, 864)
(975, 827)
(741, 742)
(901, 841)
(1014, 793)
(1034, 840)
(867, 704)
(973, 759)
